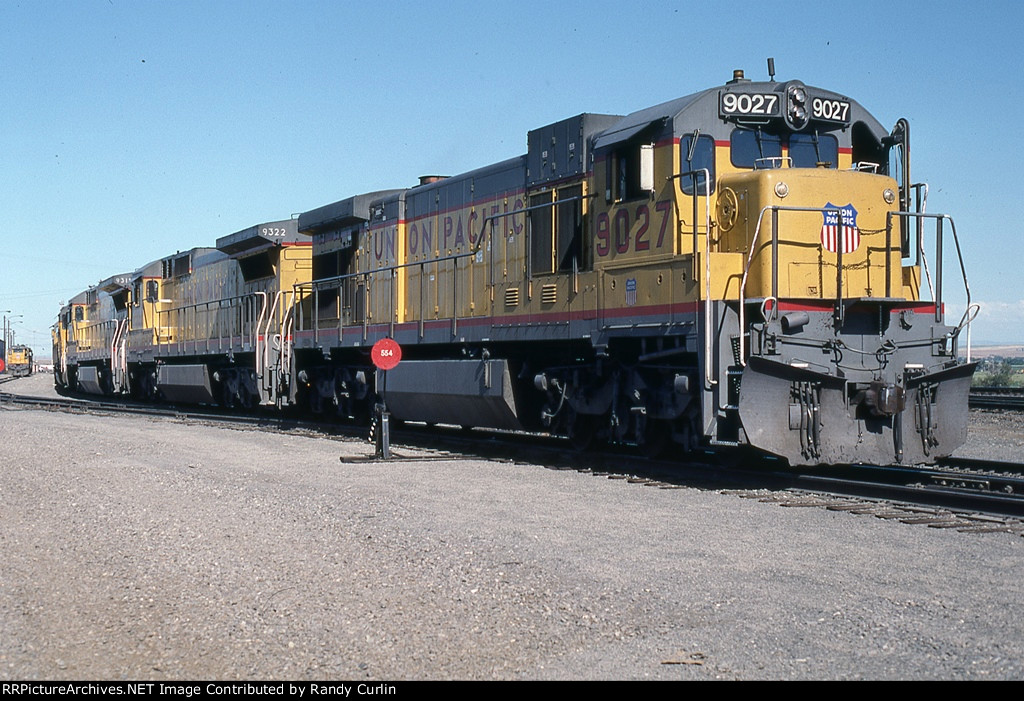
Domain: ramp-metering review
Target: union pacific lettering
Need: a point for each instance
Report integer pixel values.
(384, 243)
(461, 227)
(451, 232)
(421, 237)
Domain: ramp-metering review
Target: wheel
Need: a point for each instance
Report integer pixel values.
(583, 430)
(657, 438)
(227, 396)
(245, 398)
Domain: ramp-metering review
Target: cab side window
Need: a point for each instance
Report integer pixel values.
(696, 154)
(630, 171)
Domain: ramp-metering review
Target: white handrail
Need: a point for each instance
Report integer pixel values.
(256, 331)
(286, 340)
(750, 258)
(266, 333)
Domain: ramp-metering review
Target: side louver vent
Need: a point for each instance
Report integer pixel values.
(549, 294)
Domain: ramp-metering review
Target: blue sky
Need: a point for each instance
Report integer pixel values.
(132, 129)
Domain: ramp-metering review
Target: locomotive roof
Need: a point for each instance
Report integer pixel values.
(197, 257)
(352, 210)
(634, 123)
(114, 283)
(260, 236)
(701, 111)
(499, 168)
(496, 177)
(151, 269)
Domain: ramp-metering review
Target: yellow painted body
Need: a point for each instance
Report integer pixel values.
(805, 268)
(213, 303)
(430, 269)
(19, 356)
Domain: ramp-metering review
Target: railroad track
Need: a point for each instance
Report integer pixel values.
(1011, 398)
(964, 494)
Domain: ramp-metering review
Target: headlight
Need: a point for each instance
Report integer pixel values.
(797, 114)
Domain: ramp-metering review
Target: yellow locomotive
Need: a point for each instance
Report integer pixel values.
(746, 265)
(201, 326)
(19, 361)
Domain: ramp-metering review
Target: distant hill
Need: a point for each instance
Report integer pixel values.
(1007, 351)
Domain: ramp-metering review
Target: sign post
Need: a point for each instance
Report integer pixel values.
(385, 354)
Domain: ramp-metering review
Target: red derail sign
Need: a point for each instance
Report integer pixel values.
(386, 353)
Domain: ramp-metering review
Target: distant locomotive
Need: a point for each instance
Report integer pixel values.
(19, 361)
(747, 265)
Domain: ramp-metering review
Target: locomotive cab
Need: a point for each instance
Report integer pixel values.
(763, 281)
(837, 353)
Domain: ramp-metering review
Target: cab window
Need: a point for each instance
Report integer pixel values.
(696, 155)
(810, 150)
(748, 146)
(630, 171)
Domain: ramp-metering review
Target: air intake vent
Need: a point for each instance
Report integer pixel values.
(512, 297)
(549, 294)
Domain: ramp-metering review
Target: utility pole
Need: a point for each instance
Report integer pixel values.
(8, 332)
(3, 349)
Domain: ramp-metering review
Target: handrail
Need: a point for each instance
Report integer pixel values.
(709, 381)
(215, 305)
(937, 291)
(773, 162)
(323, 282)
(337, 282)
(286, 336)
(117, 351)
(937, 296)
(259, 324)
(865, 167)
(486, 230)
(393, 302)
(775, 261)
(96, 334)
(265, 335)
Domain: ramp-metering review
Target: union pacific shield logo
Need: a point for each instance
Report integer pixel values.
(631, 292)
(830, 229)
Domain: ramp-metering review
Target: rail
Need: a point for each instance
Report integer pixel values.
(351, 294)
(935, 292)
(1011, 398)
(353, 290)
(216, 324)
(922, 259)
(95, 335)
(775, 209)
(709, 381)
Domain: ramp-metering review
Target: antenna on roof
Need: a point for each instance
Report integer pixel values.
(771, 69)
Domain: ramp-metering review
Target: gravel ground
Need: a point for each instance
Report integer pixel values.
(994, 435)
(155, 549)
